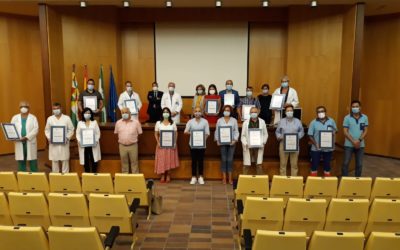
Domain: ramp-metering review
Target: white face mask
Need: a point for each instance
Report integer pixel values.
(171, 89)
(289, 114)
(87, 116)
(129, 89)
(155, 88)
(249, 93)
(90, 87)
(197, 114)
(200, 91)
(24, 110)
(212, 91)
(125, 116)
(56, 112)
(265, 91)
(321, 115)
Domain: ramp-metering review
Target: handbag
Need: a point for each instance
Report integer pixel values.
(156, 204)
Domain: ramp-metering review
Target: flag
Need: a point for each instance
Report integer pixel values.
(113, 99)
(85, 77)
(101, 91)
(74, 98)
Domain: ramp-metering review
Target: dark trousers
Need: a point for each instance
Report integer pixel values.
(90, 166)
(316, 158)
(197, 160)
(359, 153)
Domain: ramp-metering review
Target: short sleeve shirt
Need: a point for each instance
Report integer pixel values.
(316, 125)
(94, 93)
(356, 128)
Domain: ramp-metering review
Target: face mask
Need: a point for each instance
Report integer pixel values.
(265, 91)
(229, 87)
(285, 84)
(56, 112)
(212, 91)
(125, 116)
(87, 116)
(321, 115)
(155, 88)
(165, 115)
(200, 91)
(355, 110)
(129, 89)
(227, 113)
(197, 114)
(249, 93)
(289, 114)
(254, 115)
(171, 89)
(24, 110)
(90, 87)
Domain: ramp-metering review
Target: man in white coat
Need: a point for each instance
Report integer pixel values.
(290, 97)
(59, 152)
(127, 95)
(26, 148)
(173, 101)
(253, 152)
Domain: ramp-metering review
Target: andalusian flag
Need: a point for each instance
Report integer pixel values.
(74, 98)
(101, 90)
(85, 77)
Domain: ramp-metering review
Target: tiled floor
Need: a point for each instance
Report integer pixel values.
(199, 217)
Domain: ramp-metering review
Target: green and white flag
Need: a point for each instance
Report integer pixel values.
(74, 98)
(101, 90)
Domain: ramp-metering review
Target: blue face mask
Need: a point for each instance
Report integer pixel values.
(90, 87)
(355, 110)
(227, 113)
(125, 116)
(165, 115)
(254, 115)
(229, 87)
(285, 84)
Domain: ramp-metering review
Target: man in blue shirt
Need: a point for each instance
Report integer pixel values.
(355, 126)
(321, 123)
(229, 90)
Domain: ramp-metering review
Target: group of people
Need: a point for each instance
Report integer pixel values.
(164, 110)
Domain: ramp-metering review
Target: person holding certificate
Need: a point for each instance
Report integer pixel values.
(212, 105)
(254, 137)
(26, 148)
(355, 127)
(154, 109)
(128, 131)
(130, 99)
(59, 131)
(265, 101)
(91, 98)
(226, 135)
(289, 132)
(230, 97)
(321, 132)
(290, 97)
(247, 103)
(166, 155)
(199, 130)
(88, 136)
(198, 99)
(172, 101)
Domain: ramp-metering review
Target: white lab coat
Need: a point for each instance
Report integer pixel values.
(32, 129)
(96, 149)
(292, 99)
(59, 152)
(125, 96)
(175, 105)
(245, 141)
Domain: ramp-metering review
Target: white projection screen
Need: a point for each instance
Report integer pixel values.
(201, 53)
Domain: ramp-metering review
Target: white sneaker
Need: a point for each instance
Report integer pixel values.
(201, 180)
(193, 181)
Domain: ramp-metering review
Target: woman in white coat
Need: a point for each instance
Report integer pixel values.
(88, 156)
(28, 128)
(251, 153)
(291, 97)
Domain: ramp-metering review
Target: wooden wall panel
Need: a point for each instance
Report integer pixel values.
(380, 85)
(20, 72)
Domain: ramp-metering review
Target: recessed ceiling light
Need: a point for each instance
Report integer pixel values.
(265, 3)
(314, 3)
(83, 4)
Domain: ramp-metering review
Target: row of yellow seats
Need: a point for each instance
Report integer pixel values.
(279, 240)
(69, 210)
(309, 215)
(57, 238)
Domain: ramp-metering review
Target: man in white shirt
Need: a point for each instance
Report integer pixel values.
(290, 97)
(173, 101)
(127, 95)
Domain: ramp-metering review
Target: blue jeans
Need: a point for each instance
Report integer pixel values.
(316, 158)
(227, 152)
(359, 153)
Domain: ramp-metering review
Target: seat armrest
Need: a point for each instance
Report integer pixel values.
(239, 206)
(248, 240)
(112, 235)
(135, 204)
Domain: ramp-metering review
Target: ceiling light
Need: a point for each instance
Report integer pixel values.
(126, 4)
(314, 3)
(83, 4)
(168, 4)
(265, 3)
(218, 4)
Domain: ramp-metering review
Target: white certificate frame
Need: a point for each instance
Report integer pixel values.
(258, 132)
(277, 101)
(329, 133)
(162, 136)
(231, 100)
(7, 135)
(247, 108)
(192, 132)
(52, 133)
(135, 108)
(92, 143)
(86, 98)
(216, 107)
(285, 146)
(230, 133)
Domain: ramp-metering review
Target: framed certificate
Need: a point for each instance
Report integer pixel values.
(212, 107)
(197, 139)
(57, 135)
(167, 138)
(255, 138)
(10, 131)
(131, 104)
(229, 99)
(326, 140)
(291, 142)
(277, 101)
(90, 102)
(246, 112)
(225, 135)
(88, 138)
